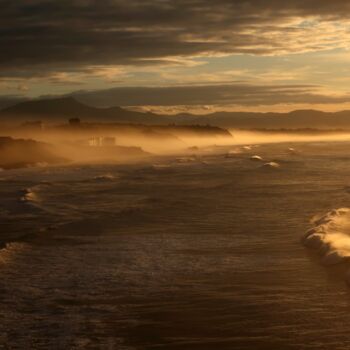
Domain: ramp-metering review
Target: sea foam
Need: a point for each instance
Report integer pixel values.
(104, 177)
(256, 158)
(330, 236)
(30, 195)
(271, 165)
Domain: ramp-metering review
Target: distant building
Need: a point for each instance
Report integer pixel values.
(101, 141)
(94, 142)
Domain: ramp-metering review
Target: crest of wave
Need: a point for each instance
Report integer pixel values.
(330, 236)
(30, 194)
(104, 177)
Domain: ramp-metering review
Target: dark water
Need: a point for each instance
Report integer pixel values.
(203, 254)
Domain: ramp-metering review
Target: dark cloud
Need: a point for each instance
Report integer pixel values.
(230, 94)
(42, 36)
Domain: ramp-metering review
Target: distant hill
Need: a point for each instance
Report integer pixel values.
(61, 109)
(59, 106)
(299, 119)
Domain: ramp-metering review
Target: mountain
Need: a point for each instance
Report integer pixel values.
(61, 109)
(299, 119)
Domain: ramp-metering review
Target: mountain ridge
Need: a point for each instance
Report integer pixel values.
(63, 108)
(60, 109)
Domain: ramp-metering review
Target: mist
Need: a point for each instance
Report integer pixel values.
(263, 137)
(119, 143)
(85, 142)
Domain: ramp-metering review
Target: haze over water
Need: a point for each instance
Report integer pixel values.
(174, 254)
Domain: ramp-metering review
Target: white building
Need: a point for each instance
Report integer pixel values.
(101, 141)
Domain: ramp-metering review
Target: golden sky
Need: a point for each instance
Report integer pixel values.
(178, 55)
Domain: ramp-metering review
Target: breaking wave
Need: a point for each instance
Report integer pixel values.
(256, 158)
(271, 165)
(233, 153)
(31, 195)
(104, 177)
(330, 236)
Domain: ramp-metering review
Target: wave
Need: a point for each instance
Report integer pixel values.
(256, 158)
(161, 167)
(271, 165)
(104, 177)
(233, 153)
(31, 195)
(292, 150)
(330, 236)
(190, 159)
(10, 250)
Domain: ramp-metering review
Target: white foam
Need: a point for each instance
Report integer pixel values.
(9, 252)
(30, 195)
(256, 158)
(187, 159)
(104, 177)
(271, 165)
(233, 153)
(292, 150)
(330, 236)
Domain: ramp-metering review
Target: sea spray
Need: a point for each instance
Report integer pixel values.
(271, 165)
(30, 195)
(104, 177)
(330, 236)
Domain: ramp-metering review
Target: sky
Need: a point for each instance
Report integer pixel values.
(178, 55)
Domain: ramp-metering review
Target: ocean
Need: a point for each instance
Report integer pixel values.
(202, 252)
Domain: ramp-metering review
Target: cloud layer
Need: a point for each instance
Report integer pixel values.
(189, 51)
(219, 94)
(43, 37)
